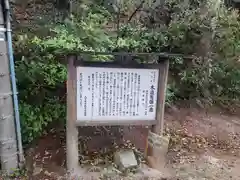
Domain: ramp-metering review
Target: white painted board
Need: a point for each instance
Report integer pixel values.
(115, 94)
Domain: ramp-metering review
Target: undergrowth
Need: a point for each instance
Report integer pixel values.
(209, 32)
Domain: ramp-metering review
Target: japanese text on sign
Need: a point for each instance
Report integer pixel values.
(116, 94)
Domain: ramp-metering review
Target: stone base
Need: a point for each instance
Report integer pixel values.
(158, 158)
(125, 159)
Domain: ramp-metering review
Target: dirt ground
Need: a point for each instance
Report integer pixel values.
(209, 145)
(204, 145)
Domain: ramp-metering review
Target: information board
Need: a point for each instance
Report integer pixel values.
(115, 94)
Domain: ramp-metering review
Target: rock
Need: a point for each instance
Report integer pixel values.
(159, 145)
(145, 172)
(47, 173)
(110, 172)
(151, 173)
(125, 159)
(37, 170)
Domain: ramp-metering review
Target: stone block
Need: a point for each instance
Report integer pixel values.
(125, 159)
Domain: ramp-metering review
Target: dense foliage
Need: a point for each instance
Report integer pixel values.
(208, 31)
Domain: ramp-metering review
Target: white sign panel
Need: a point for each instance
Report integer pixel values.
(115, 94)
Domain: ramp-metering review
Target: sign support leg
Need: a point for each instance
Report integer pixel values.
(71, 128)
(156, 155)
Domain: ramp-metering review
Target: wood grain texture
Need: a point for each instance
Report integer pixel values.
(159, 127)
(71, 128)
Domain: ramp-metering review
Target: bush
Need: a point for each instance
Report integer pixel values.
(41, 88)
(208, 31)
(40, 74)
(205, 30)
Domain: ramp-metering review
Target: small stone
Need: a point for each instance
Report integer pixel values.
(47, 173)
(151, 173)
(125, 159)
(36, 171)
(110, 172)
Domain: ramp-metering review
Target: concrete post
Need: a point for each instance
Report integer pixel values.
(8, 142)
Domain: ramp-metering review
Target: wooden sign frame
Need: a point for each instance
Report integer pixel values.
(72, 124)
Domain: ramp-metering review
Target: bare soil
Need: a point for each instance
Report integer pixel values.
(209, 144)
(204, 146)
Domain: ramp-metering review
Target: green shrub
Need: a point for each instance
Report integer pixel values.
(206, 30)
(213, 74)
(41, 88)
(41, 76)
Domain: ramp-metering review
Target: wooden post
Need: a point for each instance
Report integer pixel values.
(155, 155)
(73, 122)
(162, 86)
(71, 128)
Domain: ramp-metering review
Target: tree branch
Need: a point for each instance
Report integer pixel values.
(136, 10)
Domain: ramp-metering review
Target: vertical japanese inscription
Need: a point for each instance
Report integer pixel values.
(108, 93)
(80, 89)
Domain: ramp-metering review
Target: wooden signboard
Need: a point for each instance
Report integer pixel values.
(116, 96)
(110, 93)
